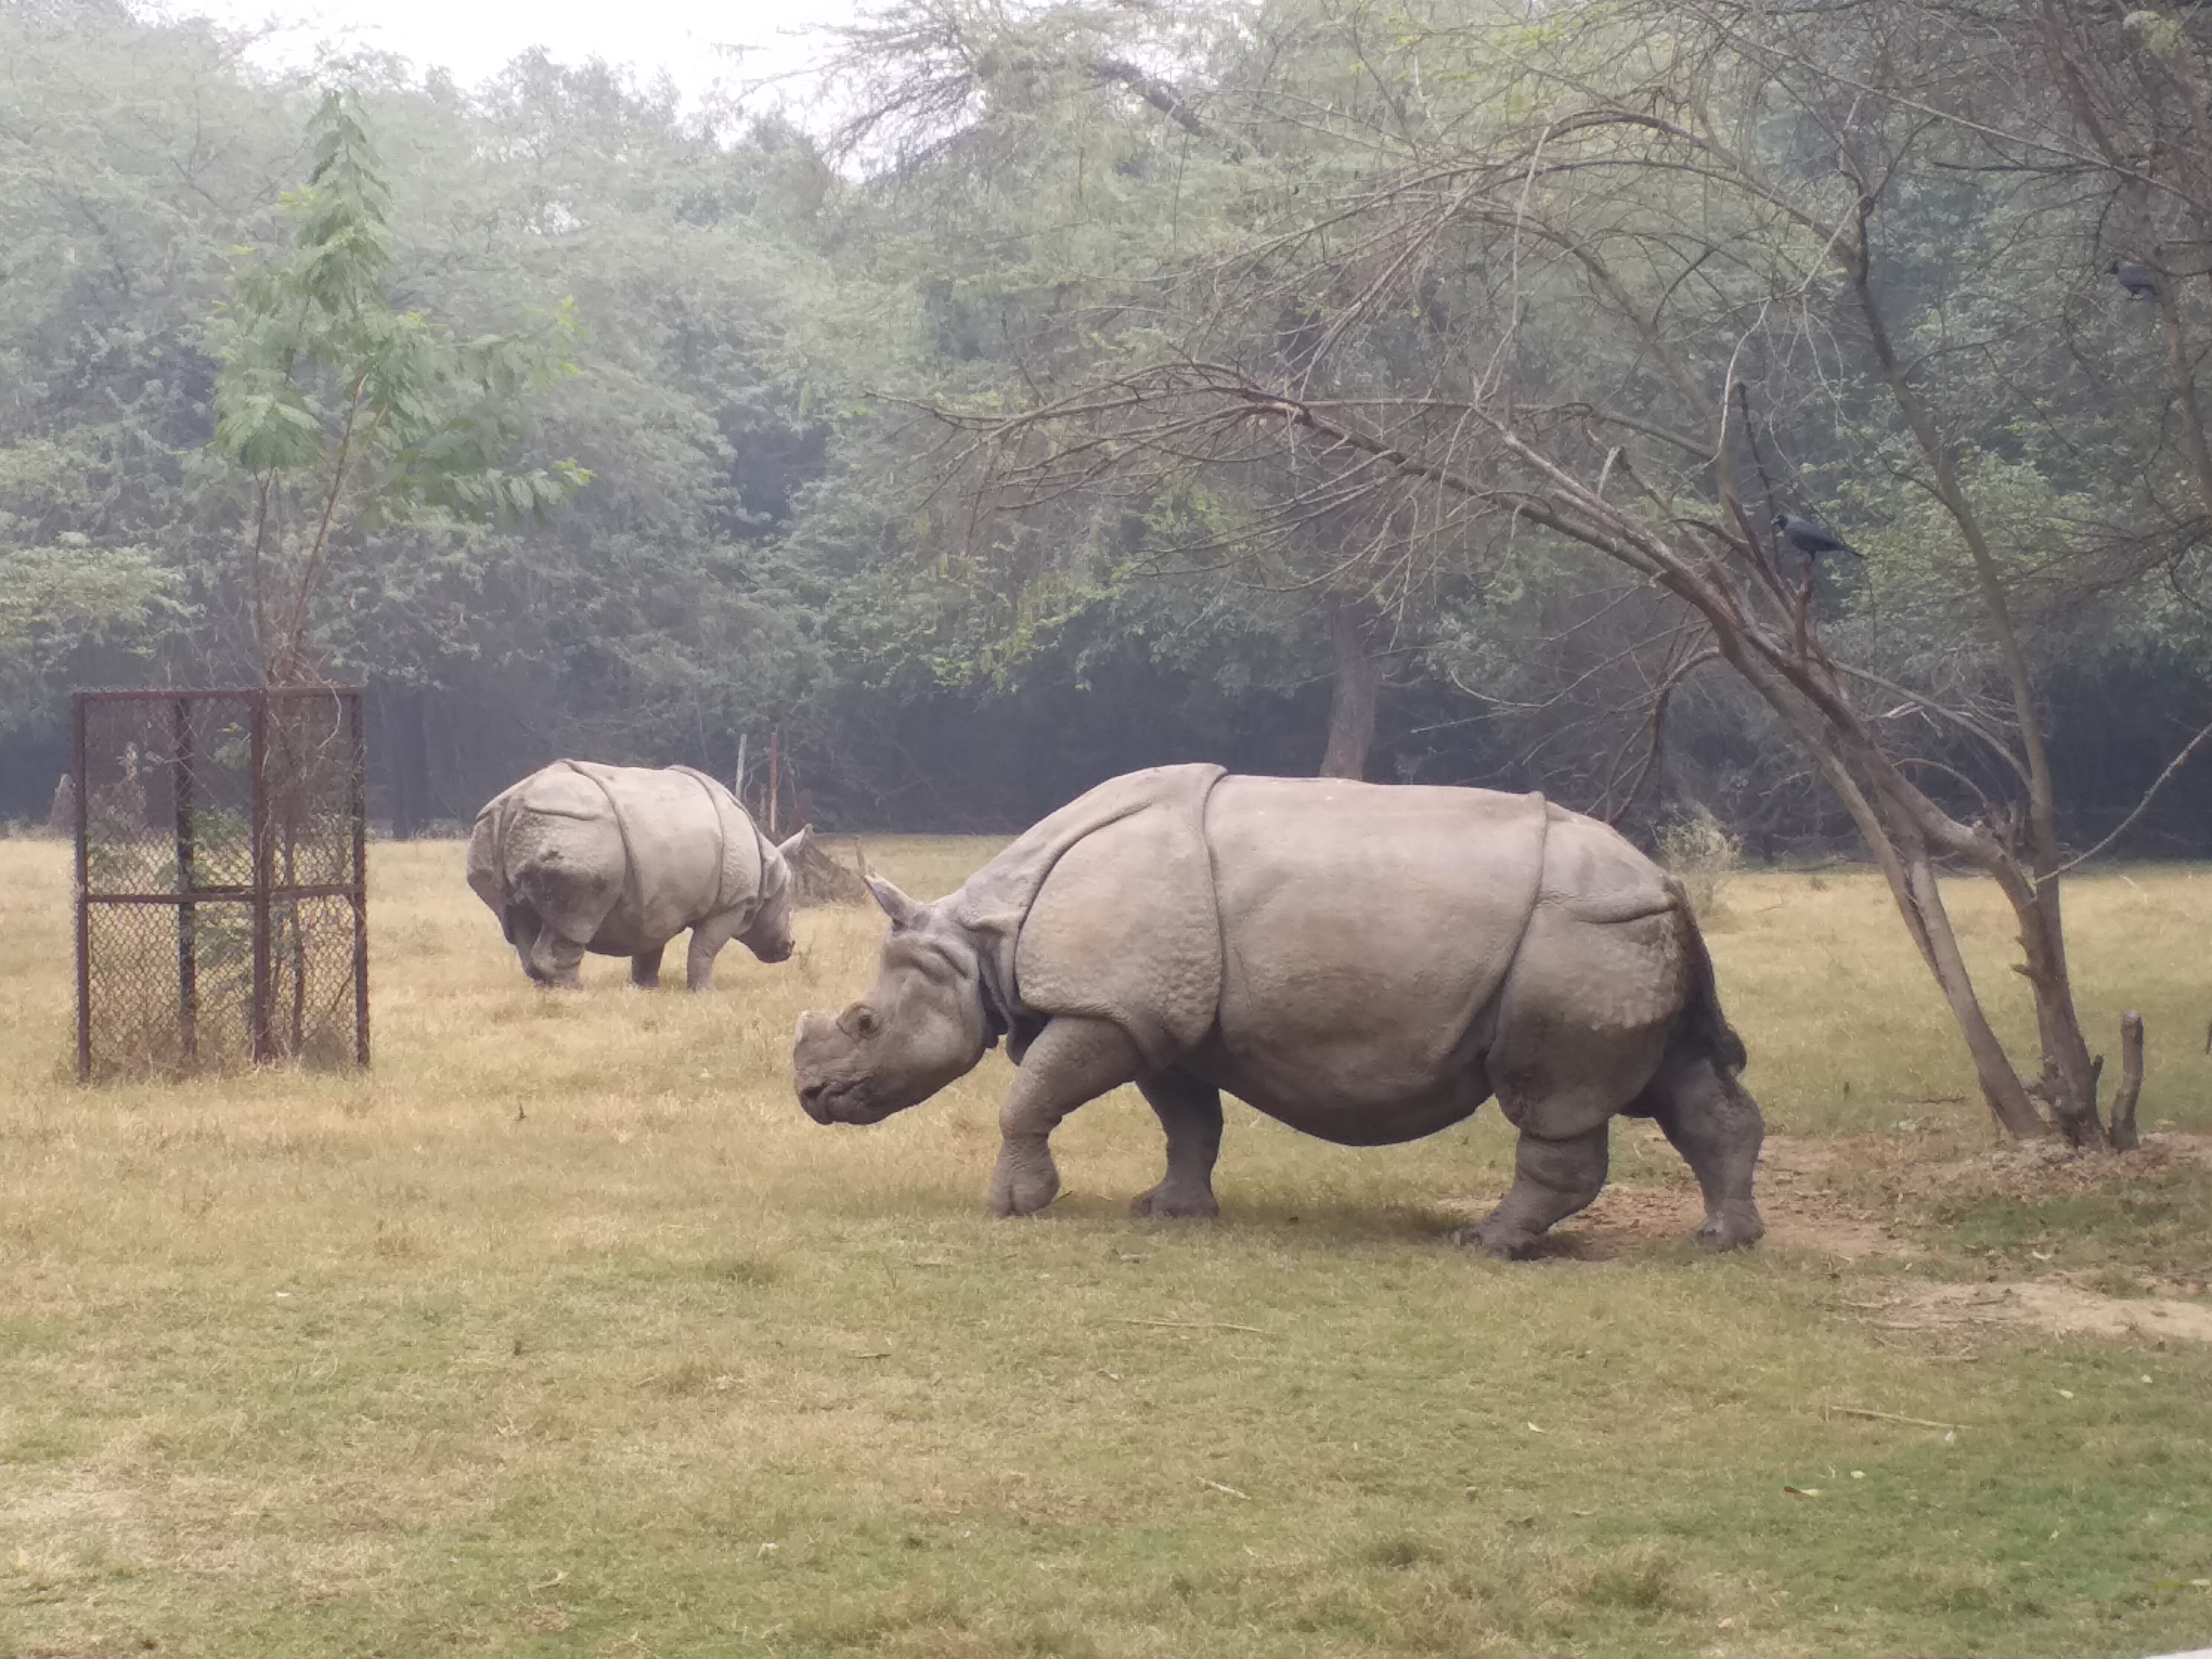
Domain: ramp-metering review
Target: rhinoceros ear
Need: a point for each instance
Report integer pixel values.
(897, 905)
(791, 848)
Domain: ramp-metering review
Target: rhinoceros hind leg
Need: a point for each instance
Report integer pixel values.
(1715, 1124)
(1190, 1113)
(645, 969)
(1074, 1058)
(1551, 1180)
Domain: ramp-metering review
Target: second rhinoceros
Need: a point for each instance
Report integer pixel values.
(1366, 963)
(619, 859)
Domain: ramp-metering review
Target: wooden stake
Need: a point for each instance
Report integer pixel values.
(2122, 1134)
(773, 770)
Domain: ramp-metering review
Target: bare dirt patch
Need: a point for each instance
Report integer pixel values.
(2058, 1310)
(1868, 1197)
(2025, 1171)
(1806, 1212)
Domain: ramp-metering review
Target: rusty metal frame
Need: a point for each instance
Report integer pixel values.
(261, 894)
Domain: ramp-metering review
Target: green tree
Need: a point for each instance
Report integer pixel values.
(131, 156)
(336, 414)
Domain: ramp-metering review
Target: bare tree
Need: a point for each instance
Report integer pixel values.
(1640, 286)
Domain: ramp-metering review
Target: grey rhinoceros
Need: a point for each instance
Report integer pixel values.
(1367, 964)
(619, 861)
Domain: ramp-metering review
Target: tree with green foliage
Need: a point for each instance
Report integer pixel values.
(1051, 191)
(336, 414)
(57, 598)
(130, 157)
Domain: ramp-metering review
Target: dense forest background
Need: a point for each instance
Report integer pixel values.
(799, 342)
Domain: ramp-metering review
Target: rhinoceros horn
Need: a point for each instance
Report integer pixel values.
(895, 904)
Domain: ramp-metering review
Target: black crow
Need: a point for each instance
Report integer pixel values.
(1809, 538)
(2138, 280)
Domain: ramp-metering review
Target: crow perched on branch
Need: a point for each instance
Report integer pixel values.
(1810, 538)
(2139, 279)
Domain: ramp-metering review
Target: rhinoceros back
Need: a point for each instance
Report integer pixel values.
(1365, 927)
(672, 845)
(1106, 907)
(1611, 948)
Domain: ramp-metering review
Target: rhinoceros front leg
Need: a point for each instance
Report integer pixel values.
(1074, 1058)
(1552, 1179)
(1190, 1113)
(554, 959)
(707, 939)
(645, 968)
(521, 926)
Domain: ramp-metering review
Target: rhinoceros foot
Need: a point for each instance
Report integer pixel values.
(1506, 1243)
(1735, 1228)
(1172, 1202)
(1025, 1181)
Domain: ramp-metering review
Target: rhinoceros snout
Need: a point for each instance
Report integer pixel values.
(814, 1097)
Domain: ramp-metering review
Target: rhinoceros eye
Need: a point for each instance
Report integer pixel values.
(862, 1020)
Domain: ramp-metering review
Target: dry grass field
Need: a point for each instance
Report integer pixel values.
(564, 1332)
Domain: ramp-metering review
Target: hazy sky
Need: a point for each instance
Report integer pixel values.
(474, 40)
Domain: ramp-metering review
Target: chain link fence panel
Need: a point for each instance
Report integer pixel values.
(221, 880)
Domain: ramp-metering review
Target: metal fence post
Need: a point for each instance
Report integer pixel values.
(188, 960)
(264, 1047)
(359, 756)
(83, 891)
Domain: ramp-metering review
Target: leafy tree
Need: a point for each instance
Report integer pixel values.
(1048, 195)
(56, 600)
(338, 415)
(131, 156)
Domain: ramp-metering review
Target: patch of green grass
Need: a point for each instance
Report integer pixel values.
(2160, 1224)
(1846, 1032)
(564, 1332)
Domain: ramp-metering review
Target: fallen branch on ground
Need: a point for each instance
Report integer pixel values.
(1886, 1417)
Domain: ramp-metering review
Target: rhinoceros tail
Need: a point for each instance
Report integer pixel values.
(1701, 1024)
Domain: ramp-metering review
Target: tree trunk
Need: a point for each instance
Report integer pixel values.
(2068, 1085)
(1358, 687)
(2123, 1136)
(2026, 863)
(2002, 1088)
